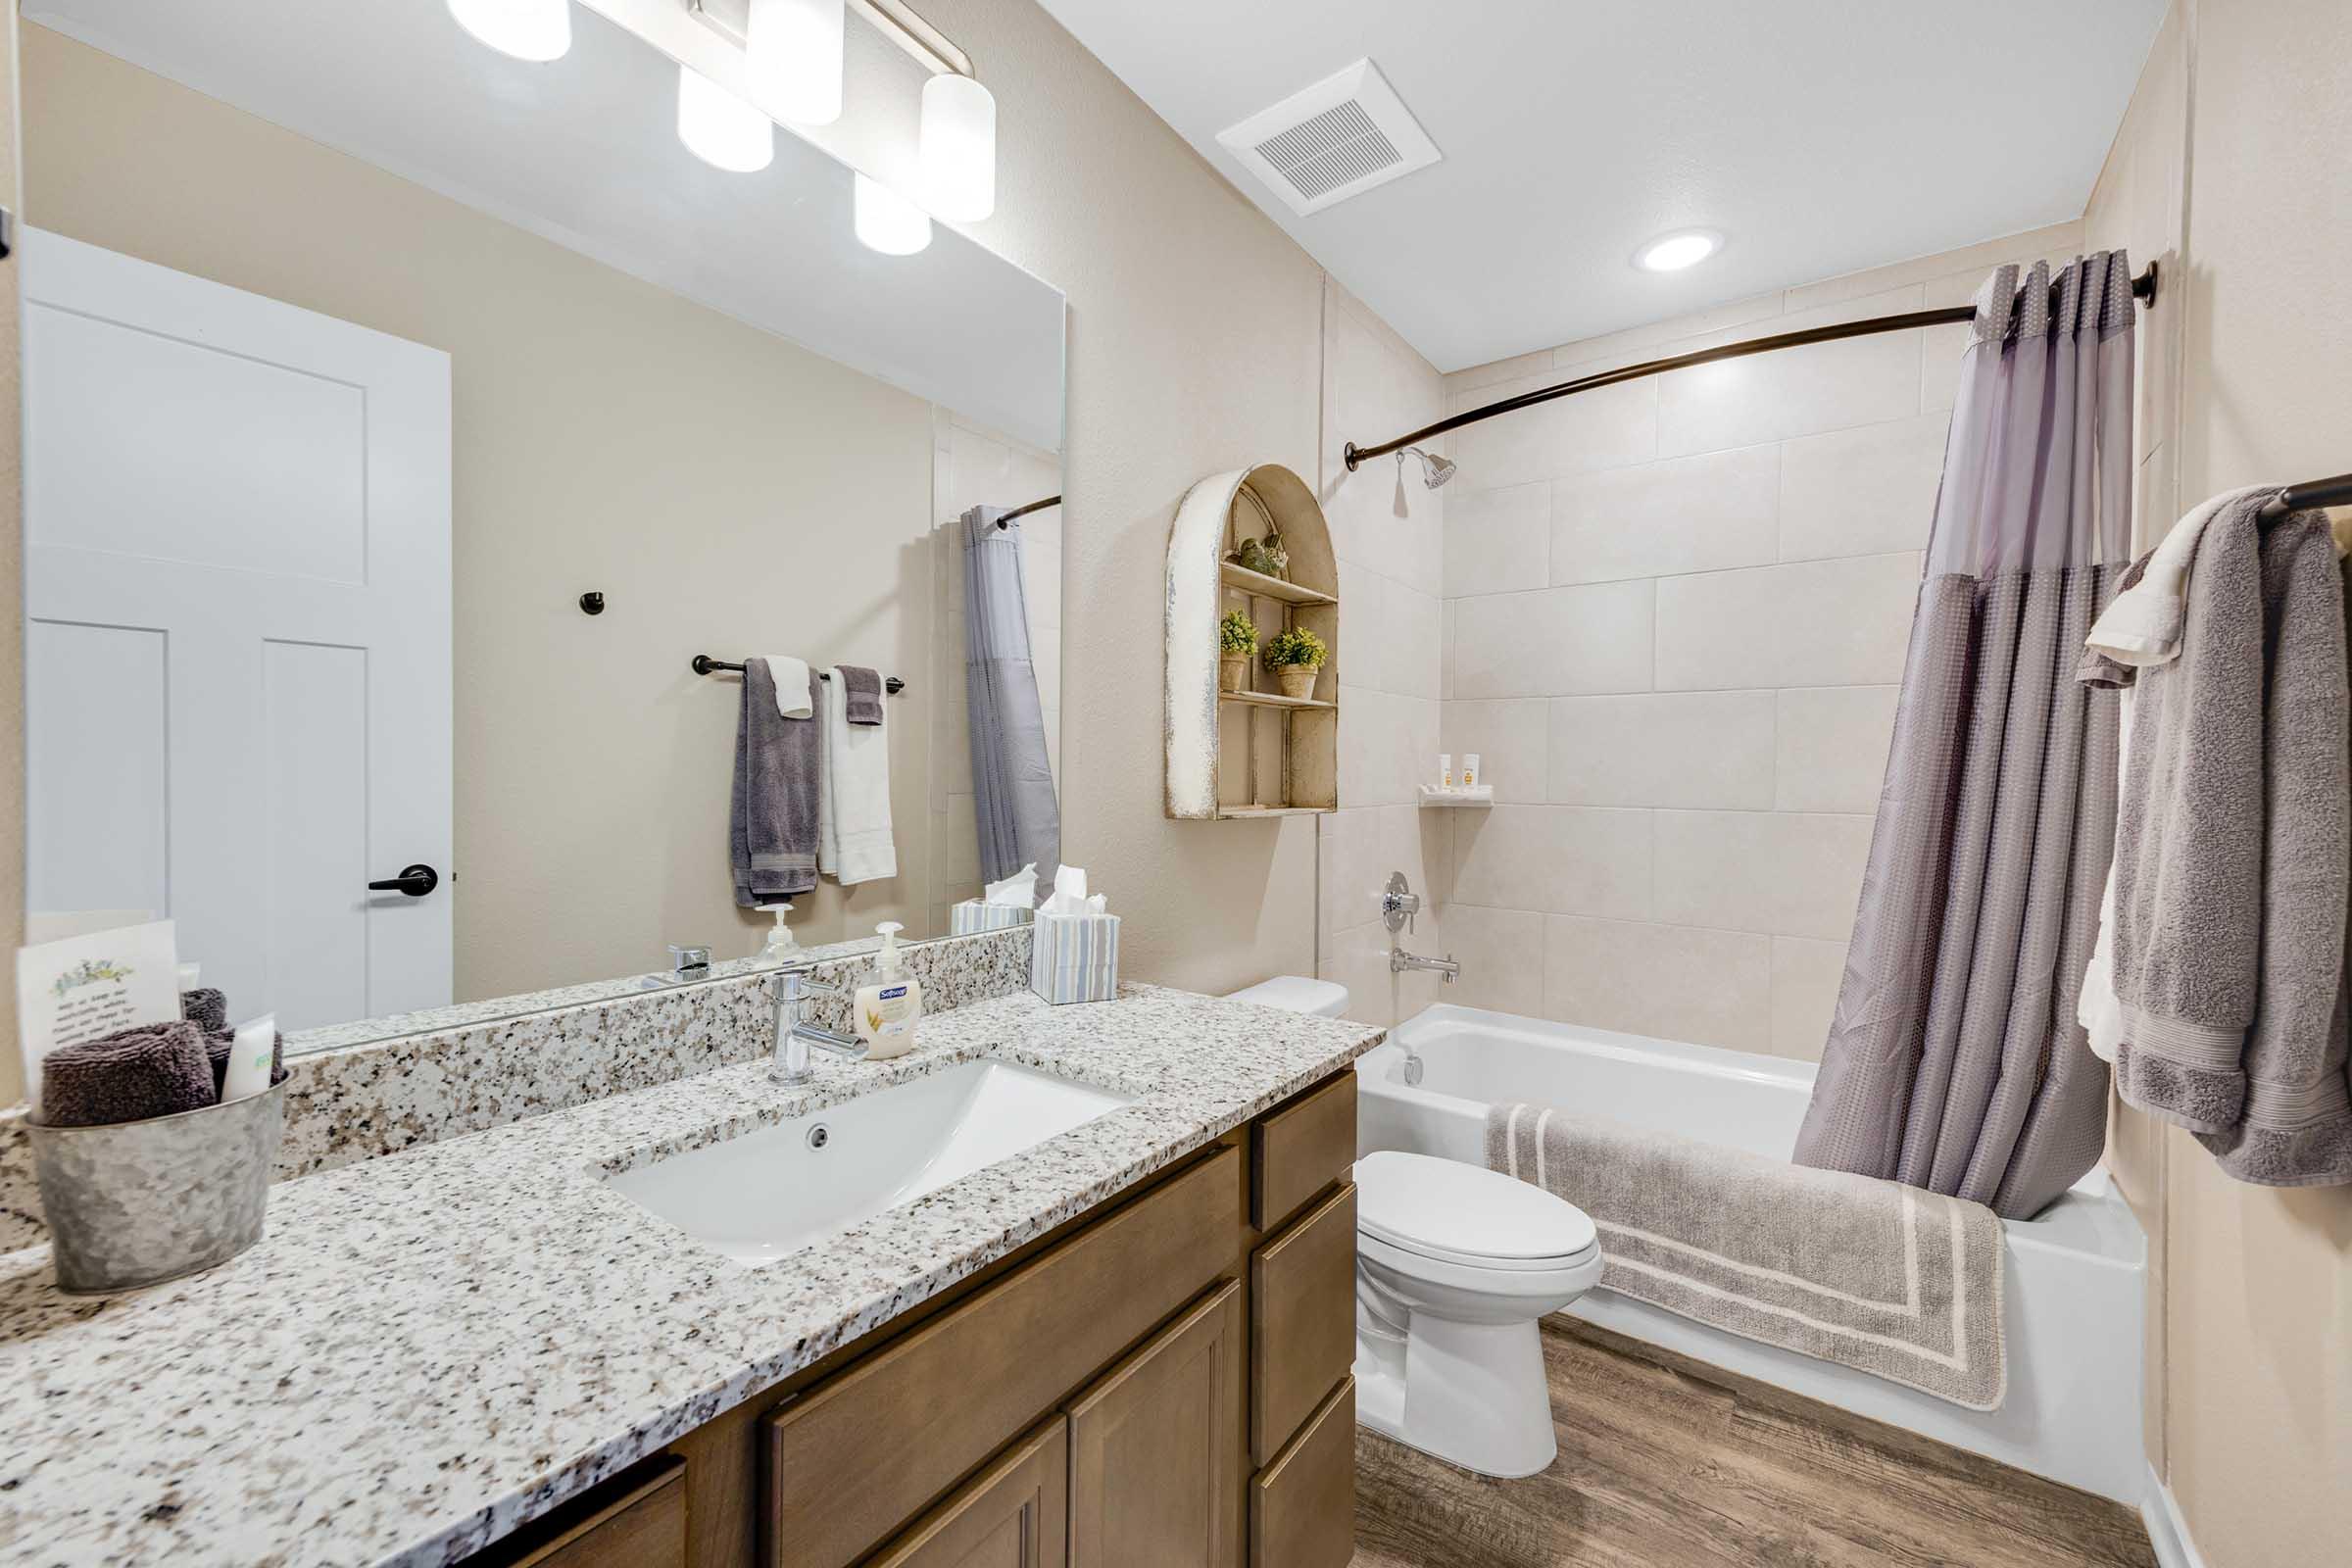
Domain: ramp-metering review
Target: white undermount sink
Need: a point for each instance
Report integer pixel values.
(771, 1192)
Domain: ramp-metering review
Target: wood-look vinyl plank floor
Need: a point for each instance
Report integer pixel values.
(1668, 1462)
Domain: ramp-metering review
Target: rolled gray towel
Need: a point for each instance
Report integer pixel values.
(205, 1008)
(862, 701)
(217, 1044)
(159, 1071)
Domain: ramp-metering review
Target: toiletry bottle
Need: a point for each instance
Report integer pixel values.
(782, 946)
(891, 1005)
(1445, 770)
(1470, 761)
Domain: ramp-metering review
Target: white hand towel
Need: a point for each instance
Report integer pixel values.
(854, 836)
(2142, 625)
(2097, 1010)
(792, 684)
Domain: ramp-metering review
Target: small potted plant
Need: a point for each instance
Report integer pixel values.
(1295, 655)
(1237, 640)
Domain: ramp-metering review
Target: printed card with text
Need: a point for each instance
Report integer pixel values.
(88, 987)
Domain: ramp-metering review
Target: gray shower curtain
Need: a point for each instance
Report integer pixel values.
(1012, 775)
(1954, 1060)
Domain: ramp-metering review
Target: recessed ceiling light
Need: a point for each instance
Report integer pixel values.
(1671, 253)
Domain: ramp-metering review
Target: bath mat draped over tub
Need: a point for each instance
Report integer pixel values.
(1885, 1278)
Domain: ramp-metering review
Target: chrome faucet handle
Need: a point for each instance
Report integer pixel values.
(689, 964)
(798, 987)
(1398, 904)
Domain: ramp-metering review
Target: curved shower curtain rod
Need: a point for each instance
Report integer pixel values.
(2143, 286)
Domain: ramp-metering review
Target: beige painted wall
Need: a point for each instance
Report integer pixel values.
(726, 490)
(2234, 152)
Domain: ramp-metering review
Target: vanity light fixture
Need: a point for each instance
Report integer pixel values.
(537, 30)
(886, 220)
(957, 154)
(721, 128)
(794, 51)
(1671, 253)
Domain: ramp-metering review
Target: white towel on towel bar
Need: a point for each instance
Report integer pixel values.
(792, 684)
(854, 842)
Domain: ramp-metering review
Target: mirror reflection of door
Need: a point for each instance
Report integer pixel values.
(238, 641)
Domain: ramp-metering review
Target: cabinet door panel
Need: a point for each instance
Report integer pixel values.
(1302, 1312)
(1013, 1514)
(645, 1527)
(1155, 1449)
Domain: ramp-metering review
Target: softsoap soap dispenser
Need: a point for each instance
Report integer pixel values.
(891, 1005)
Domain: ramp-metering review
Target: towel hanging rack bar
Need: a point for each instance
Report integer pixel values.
(2144, 287)
(2335, 492)
(1023, 512)
(705, 665)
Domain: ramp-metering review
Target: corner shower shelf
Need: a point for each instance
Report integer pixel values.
(1258, 585)
(1458, 798)
(1237, 755)
(1276, 699)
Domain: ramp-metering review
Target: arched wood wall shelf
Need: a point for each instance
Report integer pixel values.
(1251, 754)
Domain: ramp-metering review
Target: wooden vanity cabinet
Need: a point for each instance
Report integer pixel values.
(1161, 1380)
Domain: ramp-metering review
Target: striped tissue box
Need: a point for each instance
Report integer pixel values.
(1074, 957)
(974, 915)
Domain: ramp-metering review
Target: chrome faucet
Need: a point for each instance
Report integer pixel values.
(1398, 906)
(794, 1038)
(1400, 960)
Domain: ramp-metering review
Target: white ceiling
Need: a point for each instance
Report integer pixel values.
(584, 152)
(1822, 136)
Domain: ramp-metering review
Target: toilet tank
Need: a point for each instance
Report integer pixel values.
(1296, 993)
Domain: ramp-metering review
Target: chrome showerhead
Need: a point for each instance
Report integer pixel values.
(1434, 470)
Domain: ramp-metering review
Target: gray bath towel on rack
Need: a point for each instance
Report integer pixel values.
(779, 774)
(2232, 852)
(862, 694)
(1891, 1280)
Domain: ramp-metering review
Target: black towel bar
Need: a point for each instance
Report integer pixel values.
(705, 665)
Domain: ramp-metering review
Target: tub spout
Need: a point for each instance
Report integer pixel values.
(1400, 960)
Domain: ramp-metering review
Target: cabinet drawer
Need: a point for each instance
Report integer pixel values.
(1302, 1321)
(644, 1527)
(854, 1458)
(1302, 1149)
(1015, 1514)
(1303, 1507)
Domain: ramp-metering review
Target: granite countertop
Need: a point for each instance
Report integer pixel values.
(428, 1348)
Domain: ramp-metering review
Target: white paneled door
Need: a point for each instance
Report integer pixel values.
(237, 631)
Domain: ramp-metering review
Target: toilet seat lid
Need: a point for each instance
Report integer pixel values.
(1446, 1209)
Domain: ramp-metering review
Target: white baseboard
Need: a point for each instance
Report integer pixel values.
(2168, 1532)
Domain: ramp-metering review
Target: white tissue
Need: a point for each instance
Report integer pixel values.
(1017, 891)
(1069, 894)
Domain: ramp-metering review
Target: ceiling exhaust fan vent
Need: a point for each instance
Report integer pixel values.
(1336, 139)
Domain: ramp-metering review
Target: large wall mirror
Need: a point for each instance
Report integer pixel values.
(358, 358)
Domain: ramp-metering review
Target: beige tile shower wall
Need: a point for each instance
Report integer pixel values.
(1387, 530)
(1676, 611)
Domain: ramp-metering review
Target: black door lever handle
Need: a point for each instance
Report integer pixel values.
(417, 881)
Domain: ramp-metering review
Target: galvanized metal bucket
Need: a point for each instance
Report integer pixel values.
(138, 1203)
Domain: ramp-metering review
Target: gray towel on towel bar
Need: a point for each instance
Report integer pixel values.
(1887, 1278)
(2232, 850)
(862, 696)
(779, 773)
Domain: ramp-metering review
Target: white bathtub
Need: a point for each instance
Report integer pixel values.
(2073, 1298)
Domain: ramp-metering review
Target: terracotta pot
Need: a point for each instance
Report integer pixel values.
(1232, 674)
(1297, 680)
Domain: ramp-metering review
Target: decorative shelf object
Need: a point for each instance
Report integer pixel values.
(1275, 700)
(1248, 754)
(1257, 585)
(1458, 797)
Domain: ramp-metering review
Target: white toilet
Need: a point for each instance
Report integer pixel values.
(1454, 1264)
